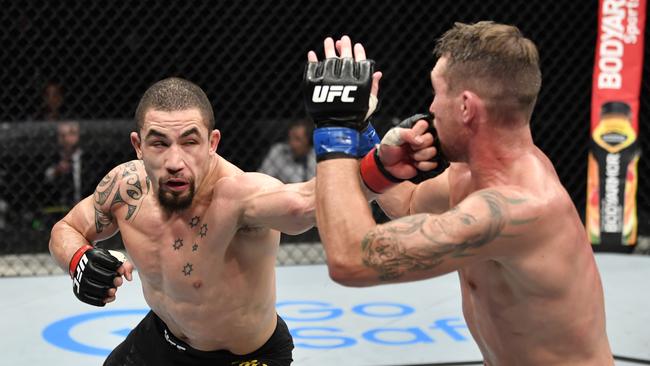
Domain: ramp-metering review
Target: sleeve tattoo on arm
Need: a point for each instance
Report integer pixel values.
(130, 192)
(386, 249)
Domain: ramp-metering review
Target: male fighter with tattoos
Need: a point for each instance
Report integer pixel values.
(202, 234)
(499, 215)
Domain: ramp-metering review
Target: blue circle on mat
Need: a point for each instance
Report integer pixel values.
(58, 333)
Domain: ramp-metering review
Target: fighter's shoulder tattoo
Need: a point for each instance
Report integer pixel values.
(126, 184)
(425, 241)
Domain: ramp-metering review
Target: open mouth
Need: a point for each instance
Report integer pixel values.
(177, 185)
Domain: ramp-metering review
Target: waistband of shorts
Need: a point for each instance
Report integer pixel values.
(183, 347)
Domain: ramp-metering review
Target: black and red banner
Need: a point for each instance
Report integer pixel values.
(611, 215)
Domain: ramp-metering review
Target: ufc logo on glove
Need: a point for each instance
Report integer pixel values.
(93, 271)
(79, 274)
(339, 117)
(327, 93)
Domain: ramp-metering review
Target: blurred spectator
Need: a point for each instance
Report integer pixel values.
(51, 103)
(292, 161)
(4, 205)
(64, 176)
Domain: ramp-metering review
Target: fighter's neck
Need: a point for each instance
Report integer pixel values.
(205, 188)
(492, 157)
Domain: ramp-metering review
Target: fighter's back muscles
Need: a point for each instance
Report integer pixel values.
(93, 218)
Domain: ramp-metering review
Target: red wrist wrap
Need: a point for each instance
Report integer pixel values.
(373, 175)
(77, 257)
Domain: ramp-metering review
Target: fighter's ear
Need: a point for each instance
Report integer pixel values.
(215, 137)
(470, 103)
(137, 144)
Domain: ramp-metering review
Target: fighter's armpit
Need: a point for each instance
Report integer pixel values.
(126, 185)
(437, 244)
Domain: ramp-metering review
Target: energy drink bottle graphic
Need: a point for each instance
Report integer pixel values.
(611, 216)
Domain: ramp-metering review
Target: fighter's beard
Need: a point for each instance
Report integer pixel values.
(173, 201)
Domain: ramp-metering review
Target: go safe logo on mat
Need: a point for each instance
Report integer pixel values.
(310, 323)
(313, 325)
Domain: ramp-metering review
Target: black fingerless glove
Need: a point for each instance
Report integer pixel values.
(336, 92)
(439, 158)
(93, 271)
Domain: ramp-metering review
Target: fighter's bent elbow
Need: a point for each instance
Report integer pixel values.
(346, 273)
(341, 277)
(56, 229)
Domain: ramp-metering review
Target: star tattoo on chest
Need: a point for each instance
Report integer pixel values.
(195, 247)
(194, 221)
(187, 269)
(178, 243)
(204, 230)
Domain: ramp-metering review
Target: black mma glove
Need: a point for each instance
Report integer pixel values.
(337, 97)
(375, 175)
(337, 92)
(439, 158)
(93, 271)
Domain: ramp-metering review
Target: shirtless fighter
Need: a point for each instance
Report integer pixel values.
(202, 234)
(499, 215)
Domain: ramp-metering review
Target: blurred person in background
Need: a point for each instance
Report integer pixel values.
(64, 176)
(52, 102)
(292, 161)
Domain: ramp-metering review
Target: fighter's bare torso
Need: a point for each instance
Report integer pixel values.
(206, 274)
(519, 311)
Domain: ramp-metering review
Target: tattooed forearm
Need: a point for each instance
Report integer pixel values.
(422, 242)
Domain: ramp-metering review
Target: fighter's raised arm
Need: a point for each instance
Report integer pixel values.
(405, 152)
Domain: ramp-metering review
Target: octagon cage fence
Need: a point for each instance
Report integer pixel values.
(88, 62)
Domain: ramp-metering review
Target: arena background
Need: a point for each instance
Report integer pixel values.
(248, 56)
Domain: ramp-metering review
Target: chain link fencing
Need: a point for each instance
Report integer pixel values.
(90, 62)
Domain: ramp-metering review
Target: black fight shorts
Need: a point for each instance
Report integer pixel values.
(152, 344)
